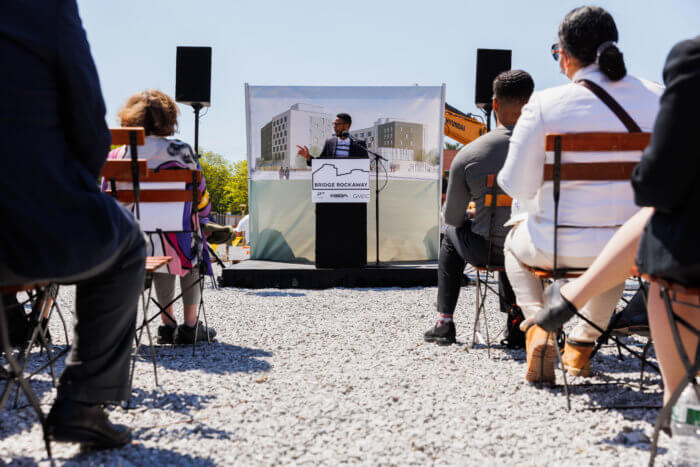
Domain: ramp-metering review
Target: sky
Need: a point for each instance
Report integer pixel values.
(357, 43)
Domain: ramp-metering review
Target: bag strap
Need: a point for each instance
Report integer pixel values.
(612, 104)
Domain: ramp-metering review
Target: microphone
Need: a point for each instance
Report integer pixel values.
(345, 134)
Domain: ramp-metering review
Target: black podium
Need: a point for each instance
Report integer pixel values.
(341, 235)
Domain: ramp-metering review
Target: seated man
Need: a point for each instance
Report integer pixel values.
(55, 142)
(465, 240)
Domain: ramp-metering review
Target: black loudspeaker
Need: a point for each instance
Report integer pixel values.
(193, 75)
(489, 64)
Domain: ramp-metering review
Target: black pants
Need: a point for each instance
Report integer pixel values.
(460, 246)
(97, 369)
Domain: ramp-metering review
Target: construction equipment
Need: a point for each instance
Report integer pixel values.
(462, 127)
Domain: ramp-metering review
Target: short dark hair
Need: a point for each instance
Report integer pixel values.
(513, 86)
(583, 31)
(345, 118)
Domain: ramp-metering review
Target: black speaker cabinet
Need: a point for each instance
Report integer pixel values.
(193, 75)
(489, 64)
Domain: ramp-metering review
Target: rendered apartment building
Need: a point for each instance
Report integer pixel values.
(302, 124)
(393, 139)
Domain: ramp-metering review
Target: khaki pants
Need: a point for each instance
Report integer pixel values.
(519, 253)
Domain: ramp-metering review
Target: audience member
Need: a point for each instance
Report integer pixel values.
(587, 53)
(157, 113)
(661, 236)
(55, 142)
(467, 240)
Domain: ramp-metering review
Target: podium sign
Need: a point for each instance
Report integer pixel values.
(340, 181)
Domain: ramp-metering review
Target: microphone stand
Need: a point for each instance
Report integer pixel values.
(377, 157)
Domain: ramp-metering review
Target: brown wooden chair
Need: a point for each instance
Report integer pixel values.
(559, 172)
(485, 272)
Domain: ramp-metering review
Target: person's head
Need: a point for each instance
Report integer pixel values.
(342, 123)
(588, 35)
(153, 110)
(511, 91)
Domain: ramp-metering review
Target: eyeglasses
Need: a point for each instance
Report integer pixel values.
(555, 51)
(338, 123)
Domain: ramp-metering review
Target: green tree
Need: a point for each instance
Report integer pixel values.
(237, 188)
(218, 173)
(449, 145)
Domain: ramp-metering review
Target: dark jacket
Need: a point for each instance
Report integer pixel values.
(55, 222)
(668, 175)
(358, 149)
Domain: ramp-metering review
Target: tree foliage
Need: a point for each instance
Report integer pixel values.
(227, 183)
(455, 145)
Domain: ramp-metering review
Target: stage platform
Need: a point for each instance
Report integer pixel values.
(254, 274)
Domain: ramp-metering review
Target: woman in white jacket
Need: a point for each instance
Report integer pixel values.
(586, 50)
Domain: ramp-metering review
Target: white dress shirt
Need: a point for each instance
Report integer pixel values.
(571, 108)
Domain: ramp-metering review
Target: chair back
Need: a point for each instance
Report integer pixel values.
(587, 171)
(133, 137)
(494, 200)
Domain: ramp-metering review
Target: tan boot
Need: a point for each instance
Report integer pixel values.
(541, 355)
(576, 358)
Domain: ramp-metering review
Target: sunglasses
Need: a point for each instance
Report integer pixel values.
(555, 51)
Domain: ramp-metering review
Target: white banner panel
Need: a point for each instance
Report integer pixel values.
(340, 181)
(402, 124)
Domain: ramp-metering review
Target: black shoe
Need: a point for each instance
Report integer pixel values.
(557, 310)
(166, 334)
(633, 318)
(442, 333)
(186, 334)
(74, 422)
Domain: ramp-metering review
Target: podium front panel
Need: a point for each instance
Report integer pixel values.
(341, 235)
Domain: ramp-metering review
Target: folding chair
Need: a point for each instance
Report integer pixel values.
(15, 373)
(591, 172)
(495, 199)
(157, 236)
(669, 293)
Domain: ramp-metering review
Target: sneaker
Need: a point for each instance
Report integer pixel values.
(541, 355)
(166, 334)
(442, 333)
(577, 357)
(186, 334)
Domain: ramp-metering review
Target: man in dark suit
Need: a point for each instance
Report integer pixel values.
(58, 226)
(340, 223)
(340, 145)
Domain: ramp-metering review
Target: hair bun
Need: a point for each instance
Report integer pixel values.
(610, 61)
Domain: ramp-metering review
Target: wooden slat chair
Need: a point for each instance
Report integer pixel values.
(140, 196)
(669, 293)
(485, 272)
(133, 171)
(15, 373)
(559, 172)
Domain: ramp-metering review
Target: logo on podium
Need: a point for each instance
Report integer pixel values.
(340, 181)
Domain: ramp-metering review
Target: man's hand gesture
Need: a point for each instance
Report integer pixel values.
(304, 152)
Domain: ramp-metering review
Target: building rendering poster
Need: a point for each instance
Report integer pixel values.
(402, 124)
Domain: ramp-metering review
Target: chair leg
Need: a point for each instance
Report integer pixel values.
(645, 351)
(477, 311)
(563, 372)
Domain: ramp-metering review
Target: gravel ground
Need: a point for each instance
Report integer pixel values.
(343, 376)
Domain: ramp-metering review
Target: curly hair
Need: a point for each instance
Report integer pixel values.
(153, 110)
(513, 85)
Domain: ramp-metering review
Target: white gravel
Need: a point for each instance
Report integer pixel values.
(343, 376)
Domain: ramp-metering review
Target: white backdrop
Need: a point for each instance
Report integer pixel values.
(403, 124)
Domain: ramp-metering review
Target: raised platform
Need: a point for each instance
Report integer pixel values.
(255, 274)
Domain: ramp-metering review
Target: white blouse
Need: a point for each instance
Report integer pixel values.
(571, 108)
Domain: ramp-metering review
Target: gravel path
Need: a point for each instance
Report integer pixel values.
(343, 376)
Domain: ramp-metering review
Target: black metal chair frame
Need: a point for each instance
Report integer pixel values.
(488, 270)
(669, 294)
(558, 272)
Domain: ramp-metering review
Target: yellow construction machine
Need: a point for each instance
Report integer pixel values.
(462, 127)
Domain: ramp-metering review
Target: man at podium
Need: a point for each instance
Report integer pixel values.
(340, 145)
(341, 228)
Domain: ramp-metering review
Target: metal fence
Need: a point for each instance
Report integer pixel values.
(225, 219)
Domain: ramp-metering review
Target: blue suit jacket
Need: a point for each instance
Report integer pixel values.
(54, 141)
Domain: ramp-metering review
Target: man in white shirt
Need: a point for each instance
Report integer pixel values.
(586, 51)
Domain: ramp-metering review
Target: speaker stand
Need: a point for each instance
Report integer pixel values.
(197, 108)
(487, 111)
